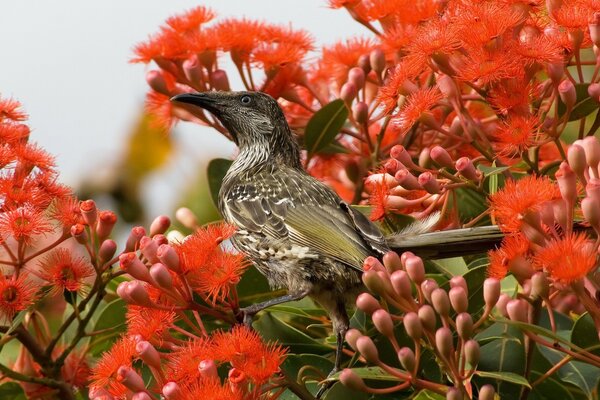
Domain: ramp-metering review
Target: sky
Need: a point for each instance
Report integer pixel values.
(67, 62)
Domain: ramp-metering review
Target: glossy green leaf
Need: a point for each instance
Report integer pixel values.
(371, 373)
(584, 105)
(335, 147)
(584, 334)
(12, 391)
(273, 328)
(324, 126)
(550, 387)
(504, 376)
(428, 395)
(451, 266)
(112, 319)
(491, 170)
(469, 203)
(217, 168)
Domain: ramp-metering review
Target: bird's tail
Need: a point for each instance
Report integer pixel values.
(444, 244)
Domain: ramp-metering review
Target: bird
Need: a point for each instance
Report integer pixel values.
(296, 230)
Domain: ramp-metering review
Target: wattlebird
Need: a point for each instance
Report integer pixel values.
(295, 229)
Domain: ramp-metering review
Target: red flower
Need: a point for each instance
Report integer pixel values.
(23, 224)
(190, 20)
(568, 259)
(416, 105)
(160, 108)
(339, 58)
(212, 389)
(183, 362)
(65, 272)
(104, 374)
(150, 324)
(16, 294)
(517, 134)
(11, 109)
(66, 211)
(513, 248)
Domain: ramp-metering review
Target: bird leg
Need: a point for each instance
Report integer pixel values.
(341, 327)
(246, 314)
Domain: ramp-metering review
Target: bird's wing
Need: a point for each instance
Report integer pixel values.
(291, 205)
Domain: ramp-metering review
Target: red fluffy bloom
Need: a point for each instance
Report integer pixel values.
(510, 204)
(416, 105)
(211, 389)
(190, 20)
(10, 109)
(64, 271)
(568, 259)
(513, 248)
(517, 134)
(150, 324)
(104, 374)
(66, 211)
(183, 363)
(16, 294)
(159, 106)
(399, 82)
(340, 57)
(24, 223)
(434, 38)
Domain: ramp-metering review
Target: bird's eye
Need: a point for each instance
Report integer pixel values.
(246, 99)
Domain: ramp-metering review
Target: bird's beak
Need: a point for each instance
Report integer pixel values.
(202, 100)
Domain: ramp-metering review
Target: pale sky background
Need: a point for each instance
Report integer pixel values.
(67, 62)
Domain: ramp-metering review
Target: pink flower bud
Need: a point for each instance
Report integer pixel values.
(129, 263)
(440, 302)
(348, 92)
(148, 354)
(540, 287)
(219, 80)
(454, 394)
(491, 291)
(443, 342)
(167, 255)
(429, 183)
(148, 247)
(400, 153)
(130, 379)
(464, 325)
(466, 168)
(487, 392)
(458, 299)
(428, 286)
(517, 310)
(441, 157)
(392, 166)
(501, 304)
(407, 180)
(186, 217)
(392, 261)
(137, 232)
(79, 233)
(373, 282)
(472, 352)
(360, 112)
(407, 359)
(567, 183)
(138, 294)
(401, 283)
(413, 326)
(427, 317)
(208, 369)
(594, 91)
(372, 264)
(122, 292)
(594, 27)
(377, 61)
(89, 212)
(367, 349)
(424, 158)
(352, 336)
(171, 391)
(159, 225)
(192, 70)
(357, 76)
(415, 269)
(107, 250)
(351, 380)
(459, 281)
(364, 63)
(577, 161)
(141, 396)
(566, 91)
(367, 303)
(157, 82)
(161, 276)
(556, 71)
(591, 146)
(160, 239)
(106, 222)
(448, 87)
(383, 322)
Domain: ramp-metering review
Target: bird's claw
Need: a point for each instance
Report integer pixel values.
(245, 317)
(326, 385)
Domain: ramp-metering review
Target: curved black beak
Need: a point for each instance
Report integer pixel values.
(202, 100)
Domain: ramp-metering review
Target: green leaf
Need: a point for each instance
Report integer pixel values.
(584, 334)
(324, 126)
(12, 390)
(584, 104)
(371, 373)
(469, 203)
(273, 328)
(475, 278)
(254, 288)
(451, 266)
(335, 147)
(551, 387)
(217, 168)
(112, 319)
(504, 376)
(491, 170)
(428, 395)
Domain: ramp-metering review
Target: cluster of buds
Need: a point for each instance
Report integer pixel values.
(434, 318)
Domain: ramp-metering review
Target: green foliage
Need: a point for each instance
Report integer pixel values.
(584, 105)
(324, 126)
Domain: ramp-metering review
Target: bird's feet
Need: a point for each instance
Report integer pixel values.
(246, 316)
(327, 384)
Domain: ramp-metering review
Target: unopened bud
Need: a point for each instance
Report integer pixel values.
(464, 325)
(383, 322)
(400, 153)
(160, 225)
(459, 280)
(424, 158)
(472, 352)
(352, 336)
(167, 255)
(594, 91)
(556, 71)
(594, 27)
(208, 369)
(372, 264)
(491, 291)
(138, 294)
(141, 396)
(591, 213)
(186, 217)
(440, 302)
(357, 76)
(392, 261)
(219, 80)
(591, 146)
(443, 342)
(392, 166)
(351, 380)
(401, 283)
(348, 92)
(160, 239)
(161, 276)
(133, 241)
(171, 391)
(134, 267)
(466, 168)
(157, 82)
(517, 310)
(106, 223)
(501, 304)
(367, 349)
(592, 189)
(148, 247)
(79, 233)
(428, 286)
(454, 394)
(364, 63)
(360, 112)
(373, 282)
(407, 359)
(127, 377)
(487, 392)
(148, 354)
(407, 180)
(566, 91)
(413, 326)
(377, 61)
(458, 299)
(427, 317)
(567, 183)
(540, 287)
(448, 87)
(577, 161)
(89, 212)
(441, 157)
(415, 269)
(367, 303)
(192, 70)
(429, 183)
(107, 250)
